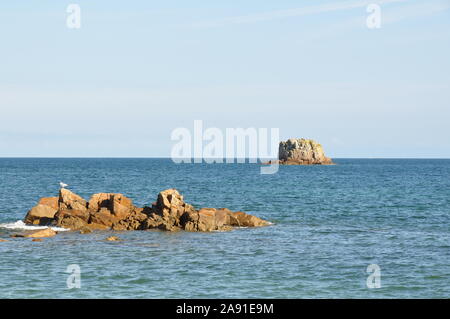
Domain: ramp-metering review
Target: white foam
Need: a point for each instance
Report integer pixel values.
(21, 225)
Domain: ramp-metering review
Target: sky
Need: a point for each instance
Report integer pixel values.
(136, 70)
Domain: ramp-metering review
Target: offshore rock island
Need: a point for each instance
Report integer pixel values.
(111, 211)
(301, 152)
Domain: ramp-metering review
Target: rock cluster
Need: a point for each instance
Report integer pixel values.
(117, 212)
(302, 152)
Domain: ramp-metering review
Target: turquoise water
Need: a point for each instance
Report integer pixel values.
(330, 223)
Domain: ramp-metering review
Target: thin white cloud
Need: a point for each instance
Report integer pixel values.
(390, 15)
(295, 12)
(418, 10)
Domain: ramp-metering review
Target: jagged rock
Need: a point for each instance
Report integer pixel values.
(100, 200)
(110, 210)
(170, 204)
(69, 200)
(117, 204)
(103, 217)
(117, 212)
(113, 238)
(121, 206)
(71, 218)
(133, 221)
(302, 152)
(166, 213)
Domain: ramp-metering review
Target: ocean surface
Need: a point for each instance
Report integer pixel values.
(329, 224)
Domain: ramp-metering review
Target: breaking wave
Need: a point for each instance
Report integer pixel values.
(21, 225)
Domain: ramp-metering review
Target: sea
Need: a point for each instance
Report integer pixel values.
(364, 228)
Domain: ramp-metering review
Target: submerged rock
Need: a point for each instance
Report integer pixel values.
(301, 152)
(48, 232)
(115, 211)
(85, 230)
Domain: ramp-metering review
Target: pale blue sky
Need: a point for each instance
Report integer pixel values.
(136, 70)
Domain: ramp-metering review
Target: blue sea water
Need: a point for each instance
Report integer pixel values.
(329, 224)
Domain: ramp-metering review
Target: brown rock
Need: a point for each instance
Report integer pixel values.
(170, 204)
(48, 232)
(133, 221)
(222, 217)
(37, 239)
(70, 222)
(245, 220)
(71, 218)
(112, 210)
(99, 200)
(40, 215)
(166, 213)
(3, 240)
(204, 220)
(158, 222)
(152, 222)
(118, 204)
(121, 206)
(81, 214)
(207, 220)
(69, 200)
(103, 217)
(113, 238)
(49, 201)
(190, 219)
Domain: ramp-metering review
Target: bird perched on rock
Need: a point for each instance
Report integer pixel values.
(63, 185)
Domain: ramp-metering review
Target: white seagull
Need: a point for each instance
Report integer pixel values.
(63, 185)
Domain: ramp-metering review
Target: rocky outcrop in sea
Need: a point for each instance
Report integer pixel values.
(106, 211)
(301, 152)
